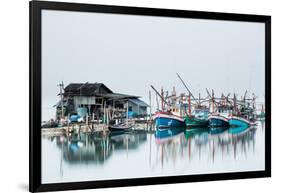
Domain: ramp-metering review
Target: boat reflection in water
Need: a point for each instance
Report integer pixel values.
(167, 134)
(166, 152)
(169, 142)
(202, 143)
(222, 141)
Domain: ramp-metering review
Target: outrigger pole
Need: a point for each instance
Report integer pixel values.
(159, 95)
(187, 88)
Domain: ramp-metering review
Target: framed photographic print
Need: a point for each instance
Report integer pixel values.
(125, 96)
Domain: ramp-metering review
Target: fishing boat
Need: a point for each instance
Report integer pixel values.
(243, 117)
(198, 119)
(199, 116)
(120, 127)
(244, 112)
(192, 121)
(236, 121)
(167, 117)
(167, 120)
(217, 120)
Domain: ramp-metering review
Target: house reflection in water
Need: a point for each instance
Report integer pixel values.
(96, 149)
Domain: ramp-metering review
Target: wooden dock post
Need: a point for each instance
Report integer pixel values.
(87, 122)
(150, 108)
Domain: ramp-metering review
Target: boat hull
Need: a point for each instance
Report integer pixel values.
(194, 122)
(239, 122)
(218, 121)
(119, 129)
(164, 120)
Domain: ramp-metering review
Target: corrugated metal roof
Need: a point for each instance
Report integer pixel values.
(86, 89)
(94, 89)
(118, 96)
(139, 102)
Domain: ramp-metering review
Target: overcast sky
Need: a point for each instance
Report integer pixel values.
(129, 53)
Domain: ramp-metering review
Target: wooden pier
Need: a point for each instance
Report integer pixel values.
(92, 128)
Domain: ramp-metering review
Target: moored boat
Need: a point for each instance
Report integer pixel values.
(119, 127)
(216, 120)
(198, 119)
(192, 121)
(235, 121)
(168, 119)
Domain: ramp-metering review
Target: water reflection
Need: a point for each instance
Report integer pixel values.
(163, 152)
(82, 148)
(173, 144)
(170, 143)
(127, 140)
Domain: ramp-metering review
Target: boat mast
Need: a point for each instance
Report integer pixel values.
(213, 101)
(157, 102)
(189, 105)
(187, 88)
(149, 105)
(234, 104)
(162, 98)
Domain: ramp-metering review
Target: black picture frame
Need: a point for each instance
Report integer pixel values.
(35, 9)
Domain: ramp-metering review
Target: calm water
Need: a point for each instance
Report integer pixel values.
(141, 154)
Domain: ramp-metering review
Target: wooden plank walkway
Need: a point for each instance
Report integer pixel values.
(92, 128)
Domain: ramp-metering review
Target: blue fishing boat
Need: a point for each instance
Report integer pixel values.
(167, 120)
(216, 120)
(236, 121)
